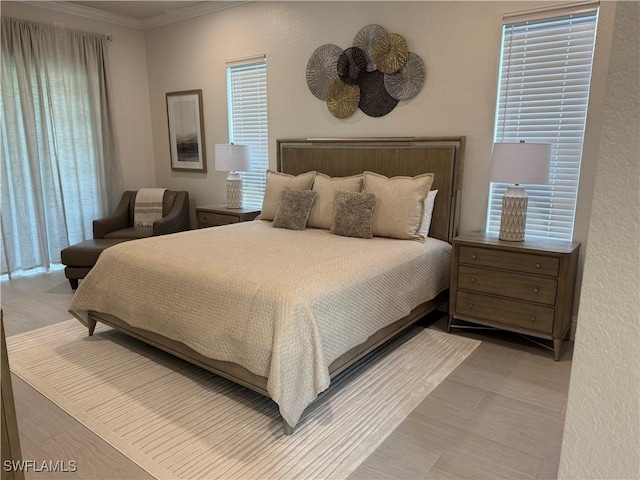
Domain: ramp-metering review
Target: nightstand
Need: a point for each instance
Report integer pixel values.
(525, 287)
(216, 215)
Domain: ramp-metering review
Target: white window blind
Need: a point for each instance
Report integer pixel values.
(247, 105)
(543, 93)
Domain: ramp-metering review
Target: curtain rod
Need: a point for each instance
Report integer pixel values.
(56, 26)
(575, 7)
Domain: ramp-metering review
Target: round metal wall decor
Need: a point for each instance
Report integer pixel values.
(375, 101)
(390, 53)
(366, 40)
(342, 99)
(352, 64)
(374, 74)
(322, 69)
(407, 82)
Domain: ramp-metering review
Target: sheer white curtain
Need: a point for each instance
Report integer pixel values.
(60, 167)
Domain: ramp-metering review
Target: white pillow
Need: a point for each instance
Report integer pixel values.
(399, 204)
(322, 211)
(426, 215)
(276, 183)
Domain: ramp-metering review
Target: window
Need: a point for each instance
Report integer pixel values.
(247, 105)
(543, 92)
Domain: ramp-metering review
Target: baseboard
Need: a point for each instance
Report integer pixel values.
(574, 324)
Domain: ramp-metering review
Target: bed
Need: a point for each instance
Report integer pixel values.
(217, 297)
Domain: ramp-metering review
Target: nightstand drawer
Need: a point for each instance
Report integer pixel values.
(506, 312)
(519, 262)
(216, 219)
(506, 284)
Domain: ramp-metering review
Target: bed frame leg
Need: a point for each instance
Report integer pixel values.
(92, 325)
(288, 429)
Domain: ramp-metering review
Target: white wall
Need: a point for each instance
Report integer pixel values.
(128, 73)
(602, 428)
(458, 41)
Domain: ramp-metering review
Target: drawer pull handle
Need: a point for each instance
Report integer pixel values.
(535, 290)
(538, 265)
(474, 256)
(533, 319)
(471, 305)
(473, 280)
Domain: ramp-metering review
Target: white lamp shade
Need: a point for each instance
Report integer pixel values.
(232, 158)
(526, 163)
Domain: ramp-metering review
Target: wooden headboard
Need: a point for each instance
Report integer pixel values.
(392, 156)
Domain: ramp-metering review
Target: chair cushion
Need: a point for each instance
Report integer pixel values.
(131, 233)
(85, 254)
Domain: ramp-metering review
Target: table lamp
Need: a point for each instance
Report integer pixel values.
(233, 159)
(517, 163)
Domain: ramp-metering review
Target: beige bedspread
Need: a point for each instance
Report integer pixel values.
(284, 304)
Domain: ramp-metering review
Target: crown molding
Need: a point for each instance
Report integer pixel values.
(88, 12)
(152, 22)
(190, 12)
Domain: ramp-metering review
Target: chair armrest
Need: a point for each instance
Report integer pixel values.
(177, 220)
(116, 221)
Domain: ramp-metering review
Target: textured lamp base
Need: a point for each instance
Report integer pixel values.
(234, 190)
(514, 214)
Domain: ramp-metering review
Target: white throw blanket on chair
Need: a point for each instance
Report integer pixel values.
(148, 207)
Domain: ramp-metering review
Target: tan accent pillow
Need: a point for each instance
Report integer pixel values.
(353, 215)
(294, 209)
(276, 183)
(326, 186)
(400, 203)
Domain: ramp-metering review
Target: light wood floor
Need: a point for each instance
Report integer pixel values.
(499, 415)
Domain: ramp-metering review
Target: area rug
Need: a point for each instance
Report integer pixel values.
(176, 420)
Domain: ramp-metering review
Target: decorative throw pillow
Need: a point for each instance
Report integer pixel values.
(294, 209)
(322, 212)
(400, 203)
(353, 214)
(428, 212)
(276, 183)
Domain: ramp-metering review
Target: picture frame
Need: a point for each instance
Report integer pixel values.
(186, 131)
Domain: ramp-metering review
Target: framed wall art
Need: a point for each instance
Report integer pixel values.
(186, 131)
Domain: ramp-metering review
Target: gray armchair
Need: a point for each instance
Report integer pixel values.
(175, 218)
